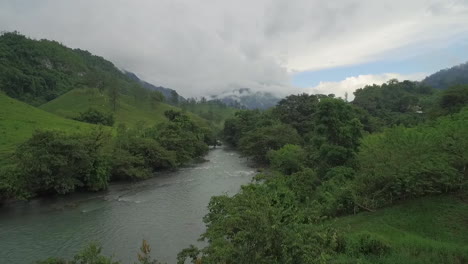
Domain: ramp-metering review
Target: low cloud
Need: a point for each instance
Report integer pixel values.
(206, 47)
(351, 84)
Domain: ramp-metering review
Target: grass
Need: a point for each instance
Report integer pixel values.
(130, 111)
(212, 111)
(19, 120)
(426, 230)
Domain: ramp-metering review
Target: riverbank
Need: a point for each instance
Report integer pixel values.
(166, 210)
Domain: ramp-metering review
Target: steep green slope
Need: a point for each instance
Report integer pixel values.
(213, 111)
(37, 71)
(130, 110)
(19, 120)
(425, 230)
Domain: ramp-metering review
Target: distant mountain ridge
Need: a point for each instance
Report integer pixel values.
(167, 92)
(445, 78)
(248, 99)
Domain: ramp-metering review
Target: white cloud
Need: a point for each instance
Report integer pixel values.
(201, 47)
(351, 84)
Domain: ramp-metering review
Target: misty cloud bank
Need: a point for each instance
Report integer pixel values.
(205, 47)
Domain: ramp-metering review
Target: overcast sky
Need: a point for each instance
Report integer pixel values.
(285, 46)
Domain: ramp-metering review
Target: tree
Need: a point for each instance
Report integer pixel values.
(454, 98)
(336, 136)
(260, 141)
(298, 111)
(288, 159)
(54, 162)
(94, 116)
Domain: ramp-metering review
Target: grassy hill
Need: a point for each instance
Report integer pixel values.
(214, 111)
(18, 121)
(129, 111)
(425, 230)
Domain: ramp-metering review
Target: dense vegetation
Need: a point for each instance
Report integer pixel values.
(213, 110)
(39, 71)
(54, 162)
(125, 131)
(329, 164)
(324, 163)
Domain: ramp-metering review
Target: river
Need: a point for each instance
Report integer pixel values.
(166, 210)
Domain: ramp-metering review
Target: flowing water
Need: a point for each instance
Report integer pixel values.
(166, 210)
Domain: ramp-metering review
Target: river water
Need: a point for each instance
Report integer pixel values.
(166, 210)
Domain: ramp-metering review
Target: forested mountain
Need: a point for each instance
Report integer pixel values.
(170, 95)
(37, 71)
(245, 98)
(445, 78)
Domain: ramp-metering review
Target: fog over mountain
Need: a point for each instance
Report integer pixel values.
(205, 47)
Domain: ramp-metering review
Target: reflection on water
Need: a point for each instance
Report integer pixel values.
(167, 211)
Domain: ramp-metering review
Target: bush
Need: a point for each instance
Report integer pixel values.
(367, 244)
(288, 159)
(54, 162)
(127, 166)
(94, 116)
(409, 162)
(259, 142)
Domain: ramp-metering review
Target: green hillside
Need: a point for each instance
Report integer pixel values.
(214, 111)
(129, 111)
(19, 120)
(37, 71)
(425, 230)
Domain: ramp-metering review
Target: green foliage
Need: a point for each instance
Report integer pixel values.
(191, 252)
(394, 102)
(214, 111)
(242, 122)
(335, 195)
(298, 111)
(403, 163)
(336, 136)
(367, 244)
(258, 142)
(421, 231)
(263, 225)
(94, 116)
(182, 136)
(39, 71)
(128, 166)
(53, 162)
(454, 99)
(136, 156)
(288, 159)
(283, 217)
(18, 121)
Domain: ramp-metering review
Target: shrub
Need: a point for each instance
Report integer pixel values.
(54, 162)
(288, 159)
(94, 116)
(367, 244)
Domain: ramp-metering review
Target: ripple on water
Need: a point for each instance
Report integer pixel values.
(166, 210)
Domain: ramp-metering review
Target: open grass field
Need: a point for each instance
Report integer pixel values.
(129, 110)
(425, 230)
(19, 120)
